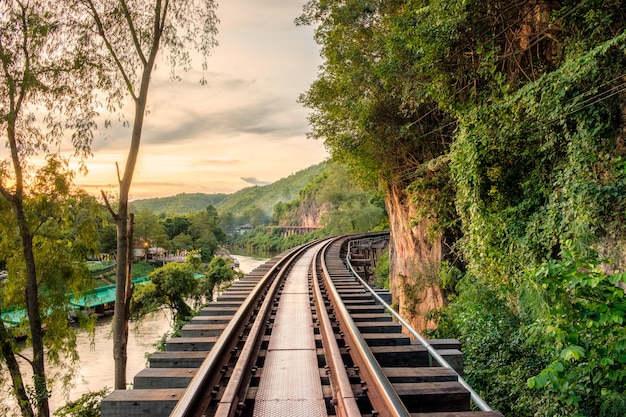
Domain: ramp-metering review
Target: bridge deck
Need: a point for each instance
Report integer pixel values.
(291, 382)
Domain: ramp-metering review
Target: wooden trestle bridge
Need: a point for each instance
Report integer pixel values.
(302, 335)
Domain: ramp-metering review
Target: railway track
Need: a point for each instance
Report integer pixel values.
(300, 335)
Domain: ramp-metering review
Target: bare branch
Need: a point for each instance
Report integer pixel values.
(26, 359)
(117, 168)
(108, 205)
(133, 32)
(165, 9)
(103, 34)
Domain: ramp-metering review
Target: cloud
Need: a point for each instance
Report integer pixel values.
(267, 117)
(254, 181)
(184, 111)
(243, 124)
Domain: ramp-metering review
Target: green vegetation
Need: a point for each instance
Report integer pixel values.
(323, 194)
(199, 231)
(330, 199)
(173, 284)
(141, 269)
(341, 205)
(272, 240)
(254, 205)
(170, 285)
(180, 204)
(249, 205)
(381, 272)
(500, 126)
(88, 405)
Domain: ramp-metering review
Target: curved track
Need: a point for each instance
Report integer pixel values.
(301, 335)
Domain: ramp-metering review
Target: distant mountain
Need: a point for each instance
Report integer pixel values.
(267, 196)
(179, 204)
(264, 197)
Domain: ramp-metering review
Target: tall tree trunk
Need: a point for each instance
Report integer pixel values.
(16, 376)
(123, 294)
(124, 244)
(34, 317)
(16, 200)
(120, 324)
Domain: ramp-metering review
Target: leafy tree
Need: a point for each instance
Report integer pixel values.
(124, 47)
(107, 238)
(176, 225)
(181, 242)
(148, 229)
(174, 283)
(45, 93)
(226, 222)
(219, 272)
(205, 232)
(88, 405)
(255, 216)
(65, 226)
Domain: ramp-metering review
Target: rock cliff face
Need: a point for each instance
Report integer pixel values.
(309, 212)
(414, 259)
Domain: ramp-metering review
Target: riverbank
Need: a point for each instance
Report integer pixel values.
(94, 367)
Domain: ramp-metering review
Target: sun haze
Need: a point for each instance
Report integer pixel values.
(243, 127)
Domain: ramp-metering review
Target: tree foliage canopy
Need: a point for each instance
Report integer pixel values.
(175, 284)
(45, 94)
(503, 121)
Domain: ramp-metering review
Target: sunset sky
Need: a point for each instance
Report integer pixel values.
(244, 127)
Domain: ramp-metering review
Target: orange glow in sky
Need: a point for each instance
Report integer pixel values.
(245, 123)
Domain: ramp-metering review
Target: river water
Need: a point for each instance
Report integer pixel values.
(95, 368)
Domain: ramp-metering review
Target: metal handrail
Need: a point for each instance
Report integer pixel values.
(480, 403)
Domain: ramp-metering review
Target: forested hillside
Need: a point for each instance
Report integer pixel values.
(333, 200)
(496, 132)
(250, 201)
(263, 198)
(331, 203)
(323, 197)
(184, 203)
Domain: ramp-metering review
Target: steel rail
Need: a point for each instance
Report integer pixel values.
(480, 403)
(214, 360)
(343, 395)
(230, 399)
(380, 391)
